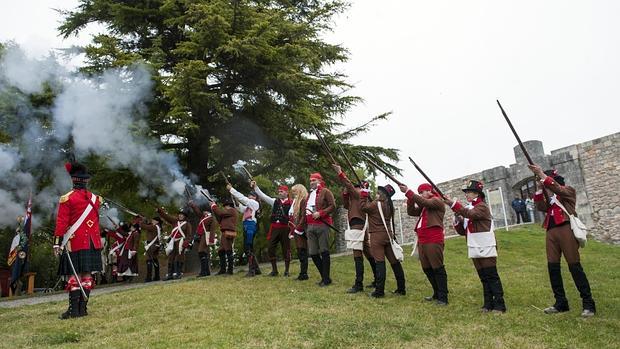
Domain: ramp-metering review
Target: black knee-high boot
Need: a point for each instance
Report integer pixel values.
(359, 275)
(84, 302)
(318, 263)
(149, 271)
(203, 264)
(486, 291)
(156, 276)
(399, 274)
(495, 284)
(326, 263)
(583, 286)
(373, 267)
(222, 255)
(170, 271)
(303, 264)
(557, 286)
(230, 262)
(74, 305)
(379, 291)
(430, 275)
(441, 278)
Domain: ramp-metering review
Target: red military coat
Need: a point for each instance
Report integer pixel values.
(70, 208)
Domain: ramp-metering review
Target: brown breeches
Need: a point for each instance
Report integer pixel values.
(380, 247)
(481, 263)
(279, 236)
(301, 242)
(226, 244)
(560, 240)
(431, 255)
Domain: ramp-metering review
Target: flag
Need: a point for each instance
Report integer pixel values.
(18, 256)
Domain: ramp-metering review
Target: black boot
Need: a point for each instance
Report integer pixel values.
(149, 271)
(84, 302)
(208, 263)
(430, 275)
(222, 255)
(203, 264)
(583, 286)
(399, 274)
(495, 285)
(156, 276)
(557, 286)
(230, 262)
(487, 306)
(318, 263)
(170, 274)
(303, 264)
(359, 276)
(326, 263)
(373, 267)
(287, 263)
(274, 267)
(251, 268)
(379, 291)
(74, 306)
(441, 278)
(179, 270)
(256, 266)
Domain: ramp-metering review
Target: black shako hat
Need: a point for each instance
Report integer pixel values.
(556, 177)
(387, 190)
(474, 186)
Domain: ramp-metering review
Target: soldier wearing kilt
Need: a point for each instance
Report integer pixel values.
(180, 238)
(474, 221)
(279, 229)
(428, 206)
(205, 235)
(151, 248)
(77, 231)
(560, 240)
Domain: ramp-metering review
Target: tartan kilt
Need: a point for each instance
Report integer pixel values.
(84, 261)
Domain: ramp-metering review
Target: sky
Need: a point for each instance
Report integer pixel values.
(439, 66)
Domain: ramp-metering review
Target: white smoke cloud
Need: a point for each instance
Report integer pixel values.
(102, 115)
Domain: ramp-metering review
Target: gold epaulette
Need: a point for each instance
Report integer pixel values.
(65, 197)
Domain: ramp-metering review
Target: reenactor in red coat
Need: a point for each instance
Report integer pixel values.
(560, 240)
(77, 231)
(179, 241)
(128, 261)
(205, 236)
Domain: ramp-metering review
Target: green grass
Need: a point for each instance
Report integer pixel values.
(269, 312)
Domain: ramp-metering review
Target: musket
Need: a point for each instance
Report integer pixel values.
(207, 195)
(426, 177)
(326, 148)
(386, 173)
(250, 177)
(514, 132)
(346, 158)
(111, 220)
(225, 178)
(122, 207)
(327, 224)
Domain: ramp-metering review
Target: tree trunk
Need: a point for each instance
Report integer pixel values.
(198, 153)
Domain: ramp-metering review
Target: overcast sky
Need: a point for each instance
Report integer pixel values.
(440, 65)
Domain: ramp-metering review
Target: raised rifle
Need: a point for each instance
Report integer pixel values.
(326, 148)
(346, 159)
(514, 132)
(385, 172)
(123, 208)
(426, 177)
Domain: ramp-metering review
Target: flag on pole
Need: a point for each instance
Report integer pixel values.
(19, 253)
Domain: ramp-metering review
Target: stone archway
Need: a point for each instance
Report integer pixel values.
(525, 189)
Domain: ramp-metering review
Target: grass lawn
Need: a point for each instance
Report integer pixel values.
(228, 312)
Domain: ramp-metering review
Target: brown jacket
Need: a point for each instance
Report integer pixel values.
(351, 199)
(435, 208)
(479, 217)
(151, 230)
(567, 196)
(325, 204)
(226, 216)
(375, 223)
(188, 231)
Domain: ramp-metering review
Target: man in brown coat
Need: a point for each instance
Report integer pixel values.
(227, 218)
(319, 207)
(180, 237)
(560, 240)
(427, 205)
(205, 236)
(151, 248)
(357, 234)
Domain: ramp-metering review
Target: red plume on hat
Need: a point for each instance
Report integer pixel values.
(77, 171)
